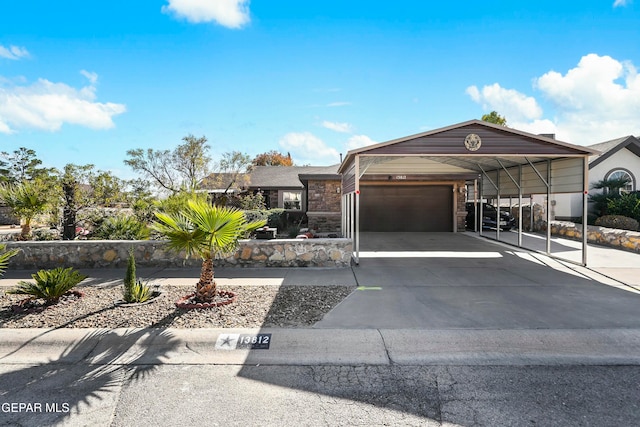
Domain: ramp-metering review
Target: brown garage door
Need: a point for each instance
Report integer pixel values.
(406, 208)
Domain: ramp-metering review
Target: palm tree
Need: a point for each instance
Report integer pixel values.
(206, 231)
(26, 200)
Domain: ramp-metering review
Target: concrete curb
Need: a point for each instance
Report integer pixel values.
(320, 347)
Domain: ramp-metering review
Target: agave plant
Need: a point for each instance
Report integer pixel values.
(49, 285)
(206, 231)
(4, 257)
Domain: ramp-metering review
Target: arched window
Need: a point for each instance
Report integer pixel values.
(621, 174)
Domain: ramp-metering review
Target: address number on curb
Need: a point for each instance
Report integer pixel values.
(243, 342)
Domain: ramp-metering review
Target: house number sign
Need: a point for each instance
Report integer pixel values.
(243, 342)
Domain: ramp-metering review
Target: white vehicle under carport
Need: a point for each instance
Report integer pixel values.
(489, 214)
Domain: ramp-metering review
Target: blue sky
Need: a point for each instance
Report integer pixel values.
(82, 82)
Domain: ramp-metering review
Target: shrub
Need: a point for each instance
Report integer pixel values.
(256, 215)
(45, 234)
(121, 227)
(50, 285)
(252, 201)
(617, 221)
(626, 205)
(134, 290)
(129, 277)
(277, 218)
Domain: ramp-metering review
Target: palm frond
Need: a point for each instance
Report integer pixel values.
(5, 256)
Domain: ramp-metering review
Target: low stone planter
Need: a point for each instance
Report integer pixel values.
(89, 254)
(619, 239)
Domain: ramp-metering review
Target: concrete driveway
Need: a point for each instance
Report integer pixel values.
(450, 281)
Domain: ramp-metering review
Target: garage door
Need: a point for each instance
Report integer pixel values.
(406, 208)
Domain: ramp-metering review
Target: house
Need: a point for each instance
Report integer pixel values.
(311, 190)
(618, 158)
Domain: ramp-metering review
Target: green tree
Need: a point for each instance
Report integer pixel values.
(495, 118)
(20, 165)
(26, 200)
(173, 171)
(272, 158)
(107, 189)
(205, 231)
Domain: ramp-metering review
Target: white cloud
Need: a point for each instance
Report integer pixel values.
(338, 104)
(45, 105)
(508, 102)
(621, 3)
(92, 77)
(228, 13)
(358, 141)
(595, 101)
(338, 127)
(306, 148)
(13, 52)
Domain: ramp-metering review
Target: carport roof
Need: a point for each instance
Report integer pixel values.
(443, 151)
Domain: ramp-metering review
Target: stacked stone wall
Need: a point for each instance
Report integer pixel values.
(152, 253)
(619, 239)
(7, 217)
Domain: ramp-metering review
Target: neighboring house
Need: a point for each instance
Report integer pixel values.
(618, 158)
(310, 190)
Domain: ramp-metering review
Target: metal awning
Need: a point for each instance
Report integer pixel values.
(506, 163)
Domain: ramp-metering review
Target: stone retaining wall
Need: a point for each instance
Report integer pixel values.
(619, 239)
(152, 253)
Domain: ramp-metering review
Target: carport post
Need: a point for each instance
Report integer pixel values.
(547, 207)
(520, 205)
(498, 202)
(356, 195)
(585, 192)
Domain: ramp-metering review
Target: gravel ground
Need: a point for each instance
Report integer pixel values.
(256, 306)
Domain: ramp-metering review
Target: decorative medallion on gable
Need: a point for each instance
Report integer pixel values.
(472, 142)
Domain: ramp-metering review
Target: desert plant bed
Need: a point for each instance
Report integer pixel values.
(255, 306)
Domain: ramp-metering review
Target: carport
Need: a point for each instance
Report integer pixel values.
(419, 183)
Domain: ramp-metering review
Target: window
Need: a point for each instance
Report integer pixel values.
(623, 174)
(292, 200)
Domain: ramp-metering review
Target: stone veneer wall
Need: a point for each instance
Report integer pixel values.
(7, 217)
(153, 253)
(619, 239)
(324, 208)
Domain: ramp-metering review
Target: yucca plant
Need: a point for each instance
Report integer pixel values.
(206, 231)
(49, 285)
(5, 255)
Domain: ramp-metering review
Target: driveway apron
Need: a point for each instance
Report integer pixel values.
(454, 280)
